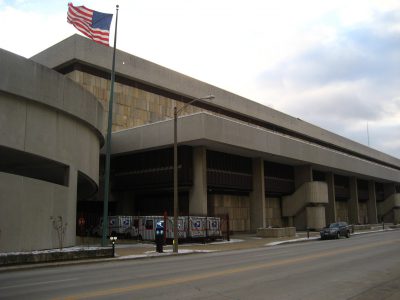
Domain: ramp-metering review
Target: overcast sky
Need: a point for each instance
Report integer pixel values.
(335, 64)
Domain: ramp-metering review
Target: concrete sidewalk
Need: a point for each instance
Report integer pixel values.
(128, 249)
(236, 242)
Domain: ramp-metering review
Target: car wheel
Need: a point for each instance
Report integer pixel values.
(348, 234)
(338, 235)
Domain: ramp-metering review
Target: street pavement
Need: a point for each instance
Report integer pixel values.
(128, 249)
(131, 249)
(363, 267)
(236, 242)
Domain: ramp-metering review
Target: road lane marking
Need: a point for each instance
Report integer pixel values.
(227, 272)
(36, 283)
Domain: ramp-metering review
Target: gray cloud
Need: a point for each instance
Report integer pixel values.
(347, 82)
(338, 106)
(360, 53)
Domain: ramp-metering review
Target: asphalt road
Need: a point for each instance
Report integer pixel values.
(362, 267)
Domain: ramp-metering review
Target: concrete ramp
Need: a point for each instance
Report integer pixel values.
(309, 194)
(390, 205)
(306, 205)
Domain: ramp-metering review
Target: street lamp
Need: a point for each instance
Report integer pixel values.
(176, 112)
(113, 239)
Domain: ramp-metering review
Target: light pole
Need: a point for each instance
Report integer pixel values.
(113, 239)
(176, 112)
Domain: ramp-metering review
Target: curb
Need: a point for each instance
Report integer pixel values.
(155, 255)
(117, 258)
(303, 240)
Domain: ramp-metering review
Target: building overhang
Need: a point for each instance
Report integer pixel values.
(226, 135)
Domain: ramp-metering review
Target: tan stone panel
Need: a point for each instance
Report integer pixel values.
(227, 202)
(219, 201)
(137, 122)
(88, 80)
(140, 103)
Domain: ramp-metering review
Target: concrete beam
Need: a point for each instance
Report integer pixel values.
(226, 135)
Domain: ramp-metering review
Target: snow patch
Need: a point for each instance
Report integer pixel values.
(165, 253)
(67, 249)
(292, 241)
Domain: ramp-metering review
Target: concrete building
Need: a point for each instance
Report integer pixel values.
(236, 157)
(50, 140)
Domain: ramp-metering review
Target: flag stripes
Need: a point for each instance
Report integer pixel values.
(93, 24)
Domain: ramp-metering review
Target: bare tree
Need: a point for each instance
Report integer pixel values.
(60, 227)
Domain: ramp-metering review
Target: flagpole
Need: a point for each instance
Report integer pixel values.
(104, 241)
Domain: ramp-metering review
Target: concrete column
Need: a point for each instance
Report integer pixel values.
(354, 214)
(69, 210)
(315, 217)
(331, 208)
(372, 211)
(302, 174)
(198, 193)
(257, 196)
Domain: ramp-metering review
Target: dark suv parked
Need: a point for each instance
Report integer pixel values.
(335, 230)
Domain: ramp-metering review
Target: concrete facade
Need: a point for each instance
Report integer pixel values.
(307, 194)
(230, 124)
(50, 141)
(77, 48)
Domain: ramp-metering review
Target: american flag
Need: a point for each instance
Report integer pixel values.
(93, 24)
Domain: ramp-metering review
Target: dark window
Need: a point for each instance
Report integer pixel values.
(279, 179)
(33, 166)
(152, 169)
(318, 176)
(342, 191)
(228, 172)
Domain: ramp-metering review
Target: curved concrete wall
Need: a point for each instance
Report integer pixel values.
(46, 116)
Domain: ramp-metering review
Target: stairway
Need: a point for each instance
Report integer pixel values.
(389, 209)
(307, 205)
